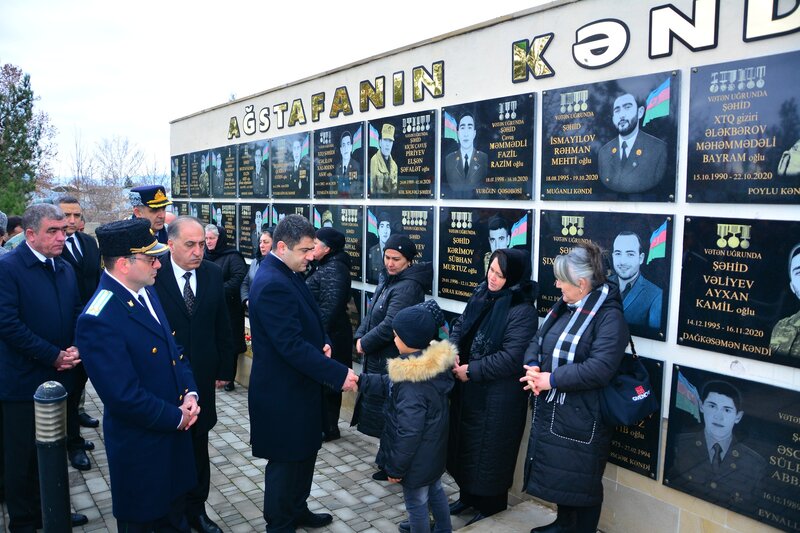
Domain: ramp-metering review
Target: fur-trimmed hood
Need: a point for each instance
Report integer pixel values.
(435, 359)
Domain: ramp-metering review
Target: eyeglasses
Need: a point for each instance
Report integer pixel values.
(148, 259)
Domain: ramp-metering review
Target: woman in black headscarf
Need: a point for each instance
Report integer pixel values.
(487, 410)
(264, 247)
(234, 270)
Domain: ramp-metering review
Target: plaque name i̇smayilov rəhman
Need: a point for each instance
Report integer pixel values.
(744, 142)
(612, 140)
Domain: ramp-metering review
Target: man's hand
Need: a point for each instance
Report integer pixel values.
(395, 479)
(220, 383)
(189, 409)
(358, 347)
(351, 381)
(460, 371)
(67, 359)
(326, 350)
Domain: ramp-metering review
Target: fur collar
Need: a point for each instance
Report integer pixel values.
(435, 359)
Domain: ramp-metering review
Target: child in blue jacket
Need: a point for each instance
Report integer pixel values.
(414, 441)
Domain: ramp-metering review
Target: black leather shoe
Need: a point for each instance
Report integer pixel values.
(78, 459)
(331, 435)
(405, 526)
(87, 421)
(552, 527)
(313, 520)
(78, 520)
(87, 445)
(203, 523)
(458, 507)
(230, 386)
(380, 475)
(477, 518)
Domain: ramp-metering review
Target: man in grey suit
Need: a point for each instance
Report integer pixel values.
(634, 161)
(641, 299)
(465, 168)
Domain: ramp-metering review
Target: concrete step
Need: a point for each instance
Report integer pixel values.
(518, 519)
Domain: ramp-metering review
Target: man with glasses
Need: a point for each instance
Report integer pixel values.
(144, 381)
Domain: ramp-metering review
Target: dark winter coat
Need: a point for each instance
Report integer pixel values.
(234, 270)
(393, 294)
(330, 285)
(569, 443)
(488, 411)
(414, 439)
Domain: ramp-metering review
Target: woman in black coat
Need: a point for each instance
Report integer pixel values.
(487, 410)
(402, 284)
(264, 247)
(569, 442)
(329, 282)
(234, 270)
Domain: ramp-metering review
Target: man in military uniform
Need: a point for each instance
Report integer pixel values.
(466, 167)
(375, 253)
(301, 165)
(712, 464)
(382, 168)
(786, 333)
(146, 384)
(150, 202)
(634, 161)
(348, 170)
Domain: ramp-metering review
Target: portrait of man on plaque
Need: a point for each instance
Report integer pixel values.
(299, 166)
(785, 339)
(261, 171)
(382, 167)
(499, 236)
(176, 178)
(375, 254)
(349, 181)
(466, 167)
(633, 161)
(641, 299)
(203, 181)
(711, 462)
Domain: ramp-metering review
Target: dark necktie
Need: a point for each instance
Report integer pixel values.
(466, 165)
(626, 290)
(572, 307)
(48, 265)
(188, 295)
(716, 460)
(74, 247)
(624, 152)
(143, 302)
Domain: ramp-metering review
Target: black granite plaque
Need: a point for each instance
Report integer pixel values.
(583, 131)
(179, 176)
(251, 218)
(290, 164)
(280, 210)
(349, 219)
(253, 169)
(382, 221)
(744, 132)
(339, 162)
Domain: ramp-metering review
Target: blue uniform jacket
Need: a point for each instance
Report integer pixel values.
(38, 309)
(142, 377)
(289, 368)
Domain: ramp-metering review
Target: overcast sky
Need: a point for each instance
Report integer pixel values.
(106, 68)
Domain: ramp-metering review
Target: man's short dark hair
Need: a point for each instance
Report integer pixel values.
(497, 222)
(627, 233)
(795, 251)
(291, 230)
(635, 98)
(66, 199)
(33, 216)
(174, 229)
(344, 134)
(13, 222)
(723, 388)
(464, 115)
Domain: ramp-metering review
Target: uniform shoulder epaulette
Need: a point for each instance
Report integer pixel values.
(99, 302)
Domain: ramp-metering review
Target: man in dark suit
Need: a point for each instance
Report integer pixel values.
(641, 299)
(199, 317)
(465, 169)
(39, 303)
(261, 172)
(634, 161)
(150, 202)
(712, 464)
(300, 166)
(144, 381)
(291, 365)
(82, 253)
(349, 180)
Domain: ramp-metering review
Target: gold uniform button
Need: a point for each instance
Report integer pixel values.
(173, 362)
(185, 390)
(180, 397)
(181, 357)
(155, 350)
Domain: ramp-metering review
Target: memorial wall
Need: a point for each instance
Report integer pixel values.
(668, 133)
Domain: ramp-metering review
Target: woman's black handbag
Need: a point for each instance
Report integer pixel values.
(629, 398)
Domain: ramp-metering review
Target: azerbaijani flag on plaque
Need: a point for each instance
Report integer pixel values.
(372, 223)
(317, 219)
(450, 127)
(356, 140)
(687, 398)
(519, 232)
(305, 149)
(657, 104)
(374, 137)
(658, 243)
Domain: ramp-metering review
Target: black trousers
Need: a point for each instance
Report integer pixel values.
(2, 461)
(579, 519)
(287, 485)
(174, 522)
(74, 439)
(486, 505)
(333, 405)
(196, 498)
(21, 467)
